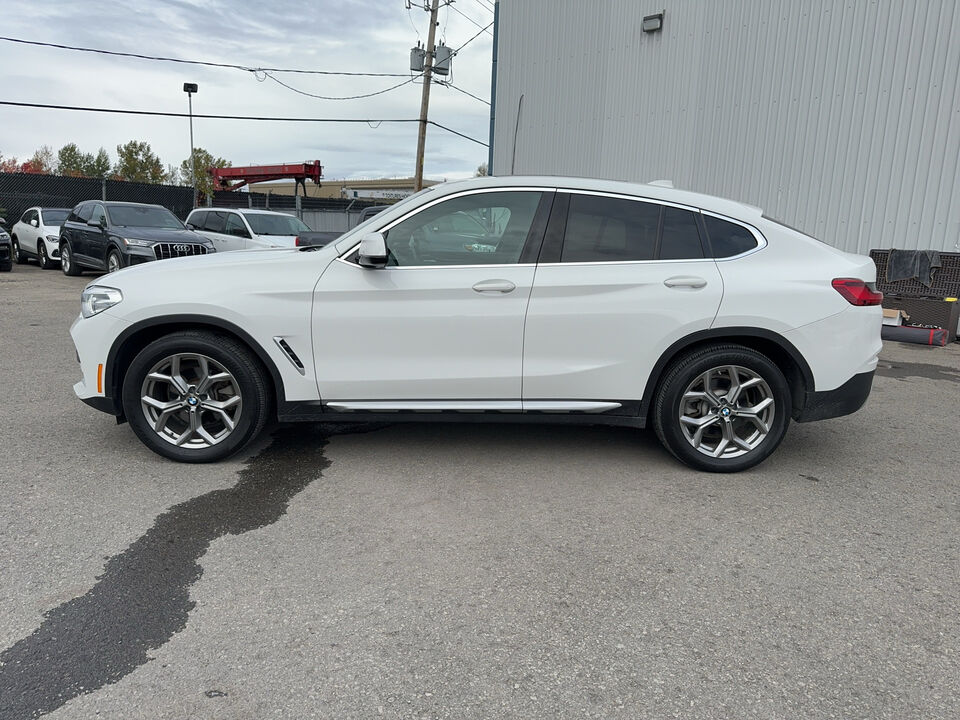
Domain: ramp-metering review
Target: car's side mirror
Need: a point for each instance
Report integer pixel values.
(373, 251)
(99, 224)
(35, 222)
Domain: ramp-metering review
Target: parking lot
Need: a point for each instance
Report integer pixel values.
(472, 571)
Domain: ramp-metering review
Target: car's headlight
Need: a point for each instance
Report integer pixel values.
(138, 243)
(52, 238)
(97, 298)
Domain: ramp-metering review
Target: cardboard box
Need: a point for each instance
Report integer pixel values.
(894, 317)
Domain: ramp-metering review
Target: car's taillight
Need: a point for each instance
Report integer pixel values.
(296, 241)
(857, 292)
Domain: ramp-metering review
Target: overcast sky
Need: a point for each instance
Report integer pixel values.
(340, 35)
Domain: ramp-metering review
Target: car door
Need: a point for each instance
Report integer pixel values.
(620, 279)
(96, 237)
(77, 234)
(439, 323)
(28, 232)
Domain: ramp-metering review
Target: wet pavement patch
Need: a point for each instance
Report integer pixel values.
(143, 597)
(904, 370)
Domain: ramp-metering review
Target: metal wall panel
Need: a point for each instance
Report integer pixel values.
(841, 118)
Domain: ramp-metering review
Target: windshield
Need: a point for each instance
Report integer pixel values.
(263, 224)
(143, 216)
(54, 217)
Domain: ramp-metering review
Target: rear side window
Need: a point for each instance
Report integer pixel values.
(728, 239)
(681, 238)
(604, 229)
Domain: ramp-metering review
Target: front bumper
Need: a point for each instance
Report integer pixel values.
(844, 400)
(93, 338)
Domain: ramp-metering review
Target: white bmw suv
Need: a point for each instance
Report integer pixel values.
(537, 299)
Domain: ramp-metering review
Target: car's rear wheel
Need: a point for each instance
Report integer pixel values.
(67, 263)
(722, 408)
(195, 396)
(19, 257)
(45, 262)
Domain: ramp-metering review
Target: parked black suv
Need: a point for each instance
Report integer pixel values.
(111, 235)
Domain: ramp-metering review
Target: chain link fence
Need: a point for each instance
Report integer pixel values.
(19, 191)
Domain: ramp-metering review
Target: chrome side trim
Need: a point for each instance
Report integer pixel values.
(427, 405)
(585, 406)
(506, 406)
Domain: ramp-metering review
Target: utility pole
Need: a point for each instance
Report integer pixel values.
(190, 89)
(425, 97)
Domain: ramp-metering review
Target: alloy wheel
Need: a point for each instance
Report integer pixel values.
(191, 400)
(727, 411)
(113, 262)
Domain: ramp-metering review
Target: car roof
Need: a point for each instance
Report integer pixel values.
(41, 209)
(711, 203)
(117, 203)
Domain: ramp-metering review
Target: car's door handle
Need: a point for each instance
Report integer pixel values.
(494, 286)
(685, 281)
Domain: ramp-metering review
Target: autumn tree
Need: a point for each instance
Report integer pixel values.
(136, 162)
(203, 160)
(43, 162)
(100, 166)
(71, 161)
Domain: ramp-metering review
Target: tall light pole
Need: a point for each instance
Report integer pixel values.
(190, 89)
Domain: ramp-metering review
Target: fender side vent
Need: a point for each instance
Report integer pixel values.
(291, 355)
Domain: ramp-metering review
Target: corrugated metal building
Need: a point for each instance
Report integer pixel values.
(839, 117)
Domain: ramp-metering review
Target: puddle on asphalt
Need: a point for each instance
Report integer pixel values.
(904, 370)
(143, 597)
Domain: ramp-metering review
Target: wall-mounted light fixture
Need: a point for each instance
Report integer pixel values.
(653, 23)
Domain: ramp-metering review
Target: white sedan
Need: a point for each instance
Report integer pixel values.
(37, 235)
(515, 299)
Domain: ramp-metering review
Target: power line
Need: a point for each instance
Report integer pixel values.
(472, 39)
(485, 4)
(157, 113)
(463, 14)
(197, 62)
(349, 97)
(475, 97)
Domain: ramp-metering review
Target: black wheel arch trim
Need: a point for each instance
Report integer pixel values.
(727, 334)
(111, 397)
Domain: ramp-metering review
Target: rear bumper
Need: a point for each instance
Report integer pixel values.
(844, 400)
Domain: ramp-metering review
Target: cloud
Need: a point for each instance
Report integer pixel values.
(357, 35)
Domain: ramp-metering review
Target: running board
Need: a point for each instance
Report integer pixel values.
(468, 406)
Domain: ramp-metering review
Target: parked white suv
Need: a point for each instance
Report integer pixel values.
(37, 235)
(246, 229)
(522, 299)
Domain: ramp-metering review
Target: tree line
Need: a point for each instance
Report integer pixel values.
(136, 162)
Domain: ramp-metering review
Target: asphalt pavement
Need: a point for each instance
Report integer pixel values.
(471, 571)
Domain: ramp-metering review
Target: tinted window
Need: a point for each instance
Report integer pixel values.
(478, 229)
(26, 217)
(54, 217)
(83, 212)
(143, 216)
(234, 226)
(196, 218)
(603, 229)
(263, 224)
(215, 221)
(680, 239)
(728, 239)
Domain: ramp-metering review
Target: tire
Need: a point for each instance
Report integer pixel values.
(114, 261)
(179, 405)
(7, 266)
(19, 257)
(698, 387)
(67, 263)
(45, 262)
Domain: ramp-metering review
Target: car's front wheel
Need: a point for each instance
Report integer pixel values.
(114, 262)
(45, 262)
(722, 408)
(195, 396)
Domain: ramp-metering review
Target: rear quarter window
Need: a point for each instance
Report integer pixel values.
(728, 239)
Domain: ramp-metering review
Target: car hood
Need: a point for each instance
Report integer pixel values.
(157, 234)
(51, 229)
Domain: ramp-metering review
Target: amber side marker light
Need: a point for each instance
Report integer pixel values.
(100, 378)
